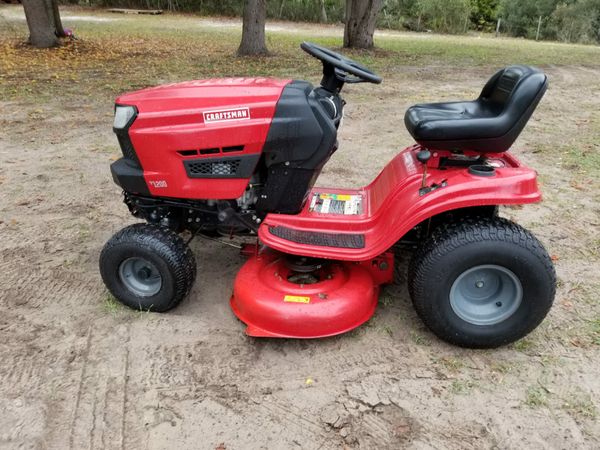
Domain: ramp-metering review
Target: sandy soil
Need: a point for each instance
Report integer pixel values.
(78, 372)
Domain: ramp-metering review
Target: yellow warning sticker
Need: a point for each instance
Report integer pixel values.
(340, 197)
(296, 299)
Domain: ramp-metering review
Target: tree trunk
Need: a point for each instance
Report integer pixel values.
(361, 16)
(40, 24)
(253, 30)
(58, 26)
(323, 12)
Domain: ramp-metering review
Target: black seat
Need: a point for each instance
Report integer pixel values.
(489, 124)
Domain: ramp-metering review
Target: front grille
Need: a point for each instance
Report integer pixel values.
(202, 169)
(224, 167)
(214, 168)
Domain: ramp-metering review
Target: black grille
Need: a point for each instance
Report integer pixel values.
(320, 239)
(224, 167)
(214, 168)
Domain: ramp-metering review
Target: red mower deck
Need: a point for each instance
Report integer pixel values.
(272, 306)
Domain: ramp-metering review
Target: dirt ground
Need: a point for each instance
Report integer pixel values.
(78, 371)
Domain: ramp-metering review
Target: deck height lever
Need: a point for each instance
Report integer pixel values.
(423, 156)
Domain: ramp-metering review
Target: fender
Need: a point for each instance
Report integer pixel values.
(393, 204)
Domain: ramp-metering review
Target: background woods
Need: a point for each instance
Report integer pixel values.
(565, 20)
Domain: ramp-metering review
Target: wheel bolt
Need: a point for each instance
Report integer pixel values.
(498, 304)
(479, 284)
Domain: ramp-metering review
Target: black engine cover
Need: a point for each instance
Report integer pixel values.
(301, 139)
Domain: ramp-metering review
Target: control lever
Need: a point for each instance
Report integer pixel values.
(423, 156)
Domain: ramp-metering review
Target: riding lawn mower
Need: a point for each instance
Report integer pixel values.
(239, 157)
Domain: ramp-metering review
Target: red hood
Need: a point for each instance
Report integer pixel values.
(214, 92)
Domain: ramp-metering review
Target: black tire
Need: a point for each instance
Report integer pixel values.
(168, 256)
(452, 251)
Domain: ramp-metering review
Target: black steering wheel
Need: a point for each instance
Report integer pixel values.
(337, 69)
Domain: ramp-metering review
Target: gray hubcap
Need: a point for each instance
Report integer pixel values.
(486, 294)
(140, 276)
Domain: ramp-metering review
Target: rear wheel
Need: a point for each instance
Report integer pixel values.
(147, 267)
(482, 283)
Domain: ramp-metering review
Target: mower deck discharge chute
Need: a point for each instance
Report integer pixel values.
(240, 156)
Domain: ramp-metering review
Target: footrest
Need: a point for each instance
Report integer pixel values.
(319, 239)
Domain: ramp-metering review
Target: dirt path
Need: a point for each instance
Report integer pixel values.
(77, 371)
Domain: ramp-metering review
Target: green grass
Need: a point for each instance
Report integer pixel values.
(386, 299)
(133, 52)
(452, 364)
(523, 345)
(580, 406)
(536, 397)
(503, 367)
(419, 339)
(462, 387)
(584, 161)
(594, 331)
(111, 305)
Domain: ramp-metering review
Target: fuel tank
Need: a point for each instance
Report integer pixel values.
(201, 139)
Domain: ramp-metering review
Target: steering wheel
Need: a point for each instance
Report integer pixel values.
(340, 66)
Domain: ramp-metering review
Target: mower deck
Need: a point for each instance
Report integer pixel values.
(275, 300)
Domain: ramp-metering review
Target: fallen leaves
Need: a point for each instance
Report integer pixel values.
(111, 59)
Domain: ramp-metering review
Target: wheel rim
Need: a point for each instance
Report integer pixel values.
(486, 294)
(140, 276)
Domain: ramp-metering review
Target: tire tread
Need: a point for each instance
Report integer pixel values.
(169, 246)
(448, 238)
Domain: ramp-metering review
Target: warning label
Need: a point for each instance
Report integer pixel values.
(296, 299)
(336, 204)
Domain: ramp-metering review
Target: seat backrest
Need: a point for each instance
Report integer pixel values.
(512, 94)
(515, 90)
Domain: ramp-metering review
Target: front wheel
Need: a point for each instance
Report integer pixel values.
(147, 267)
(482, 283)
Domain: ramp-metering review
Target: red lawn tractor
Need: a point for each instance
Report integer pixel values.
(240, 156)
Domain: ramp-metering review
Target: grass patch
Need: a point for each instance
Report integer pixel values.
(419, 339)
(462, 387)
(386, 299)
(385, 329)
(536, 397)
(503, 367)
(452, 364)
(594, 331)
(523, 345)
(111, 305)
(580, 406)
(584, 159)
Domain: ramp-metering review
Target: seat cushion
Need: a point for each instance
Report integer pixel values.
(489, 124)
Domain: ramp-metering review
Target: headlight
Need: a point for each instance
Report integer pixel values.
(123, 115)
